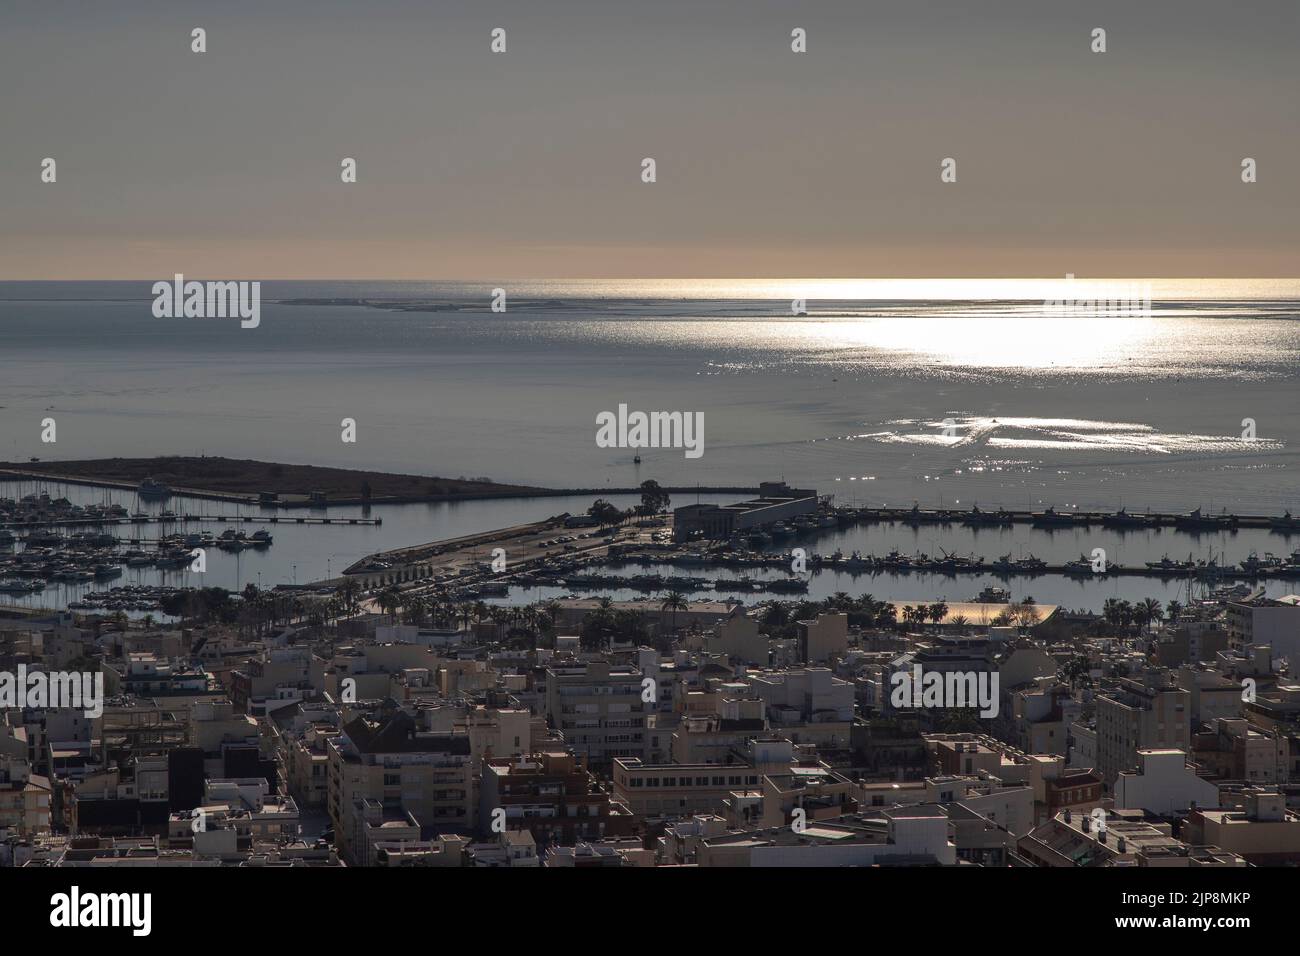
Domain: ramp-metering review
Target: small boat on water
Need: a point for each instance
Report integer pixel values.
(1082, 566)
(21, 587)
(787, 585)
(1051, 518)
(1122, 519)
(149, 488)
(983, 519)
(1166, 566)
(1196, 521)
(1255, 564)
(992, 595)
(1287, 523)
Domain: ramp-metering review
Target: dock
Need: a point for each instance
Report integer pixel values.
(187, 518)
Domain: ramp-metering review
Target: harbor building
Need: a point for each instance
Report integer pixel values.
(776, 501)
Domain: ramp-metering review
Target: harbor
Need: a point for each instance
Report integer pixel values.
(64, 546)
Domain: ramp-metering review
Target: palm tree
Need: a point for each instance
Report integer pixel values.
(938, 611)
(349, 590)
(1144, 612)
(1173, 609)
(551, 610)
(675, 601)
(500, 617)
(389, 600)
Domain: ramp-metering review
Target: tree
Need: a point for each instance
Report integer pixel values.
(389, 600)
(1148, 611)
(887, 615)
(604, 512)
(349, 590)
(938, 611)
(777, 615)
(654, 500)
(674, 601)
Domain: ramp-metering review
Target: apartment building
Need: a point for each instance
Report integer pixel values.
(1233, 749)
(275, 675)
(599, 709)
(552, 796)
(809, 704)
(24, 800)
(823, 639)
(1140, 716)
(1263, 831)
(905, 836)
(673, 791)
(387, 760)
(1275, 622)
(1164, 785)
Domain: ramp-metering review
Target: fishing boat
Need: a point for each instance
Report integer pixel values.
(1166, 566)
(1122, 519)
(1082, 566)
(1286, 523)
(1051, 518)
(983, 519)
(787, 585)
(149, 488)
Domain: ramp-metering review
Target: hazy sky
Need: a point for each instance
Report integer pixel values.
(770, 163)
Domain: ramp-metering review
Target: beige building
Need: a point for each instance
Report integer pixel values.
(672, 791)
(1139, 716)
(1263, 831)
(823, 639)
(387, 761)
(24, 800)
(739, 639)
(599, 709)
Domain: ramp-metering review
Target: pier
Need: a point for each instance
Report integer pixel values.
(1051, 520)
(190, 518)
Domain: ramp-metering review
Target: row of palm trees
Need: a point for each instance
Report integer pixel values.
(1123, 615)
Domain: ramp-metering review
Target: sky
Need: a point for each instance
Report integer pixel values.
(769, 163)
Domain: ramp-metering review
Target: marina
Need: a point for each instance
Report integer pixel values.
(58, 543)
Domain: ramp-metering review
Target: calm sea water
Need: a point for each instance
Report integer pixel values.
(851, 398)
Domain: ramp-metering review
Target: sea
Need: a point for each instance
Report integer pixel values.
(948, 393)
